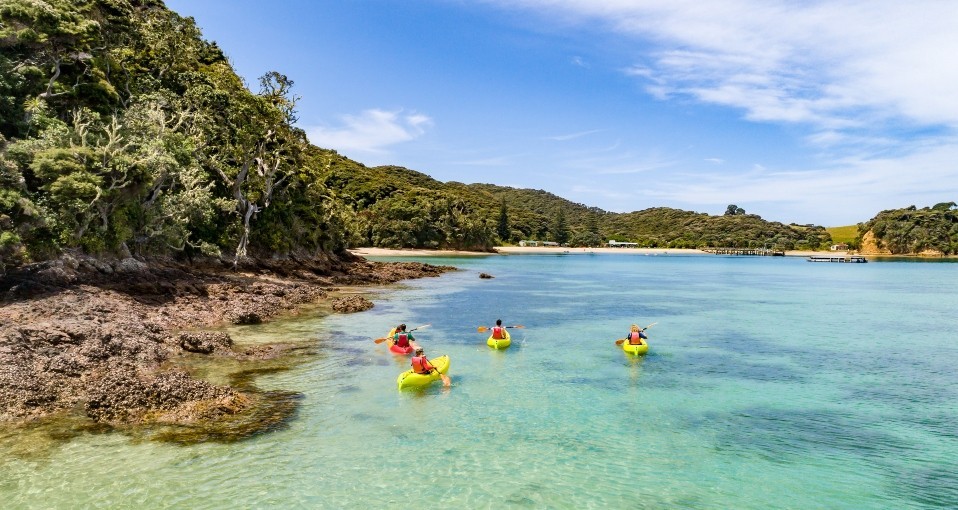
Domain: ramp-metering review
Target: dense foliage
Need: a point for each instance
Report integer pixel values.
(912, 230)
(675, 228)
(123, 132)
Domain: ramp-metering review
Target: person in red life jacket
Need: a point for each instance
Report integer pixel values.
(635, 336)
(402, 338)
(498, 332)
(421, 365)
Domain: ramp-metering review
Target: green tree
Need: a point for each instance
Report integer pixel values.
(734, 210)
(560, 228)
(502, 227)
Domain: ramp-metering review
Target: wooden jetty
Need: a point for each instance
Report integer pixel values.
(744, 251)
(848, 259)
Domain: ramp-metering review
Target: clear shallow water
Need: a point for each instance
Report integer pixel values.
(771, 383)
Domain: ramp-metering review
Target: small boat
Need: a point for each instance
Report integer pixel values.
(395, 348)
(636, 349)
(499, 343)
(410, 379)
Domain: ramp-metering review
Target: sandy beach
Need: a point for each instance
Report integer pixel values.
(510, 250)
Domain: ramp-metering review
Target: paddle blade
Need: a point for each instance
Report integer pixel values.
(518, 326)
(424, 326)
(620, 341)
(380, 340)
(649, 326)
(482, 329)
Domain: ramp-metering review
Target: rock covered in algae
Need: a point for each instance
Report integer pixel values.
(351, 304)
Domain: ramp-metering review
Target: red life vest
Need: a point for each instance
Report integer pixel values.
(421, 365)
(498, 333)
(635, 335)
(402, 339)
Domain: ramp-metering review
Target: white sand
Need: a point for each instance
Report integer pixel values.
(506, 250)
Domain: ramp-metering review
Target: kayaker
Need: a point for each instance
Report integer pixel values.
(421, 365)
(498, 332)
(635, 336)
(402, 338)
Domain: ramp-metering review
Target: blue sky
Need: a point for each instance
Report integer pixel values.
(799, 111)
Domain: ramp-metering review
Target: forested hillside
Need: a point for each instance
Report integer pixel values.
(930, 230)
(675, 228)
(123, 132)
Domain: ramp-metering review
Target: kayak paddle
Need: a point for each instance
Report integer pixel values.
(483, 329)
(622, 340)
(383, 339)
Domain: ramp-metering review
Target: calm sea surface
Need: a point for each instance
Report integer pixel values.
(770, 383)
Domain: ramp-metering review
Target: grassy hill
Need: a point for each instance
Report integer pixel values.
(847, 234)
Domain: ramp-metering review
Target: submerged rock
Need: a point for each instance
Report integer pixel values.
(351, 304)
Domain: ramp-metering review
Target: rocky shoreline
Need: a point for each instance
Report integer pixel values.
(104, 340)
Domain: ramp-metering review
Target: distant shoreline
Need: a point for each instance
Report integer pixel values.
(515, 250)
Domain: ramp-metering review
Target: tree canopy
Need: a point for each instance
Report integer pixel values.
(912, 230)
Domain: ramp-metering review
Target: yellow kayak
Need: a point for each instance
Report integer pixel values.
(410, 379)
(636, 349)
(499, 343)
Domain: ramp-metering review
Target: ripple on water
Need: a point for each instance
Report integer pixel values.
(935, 485)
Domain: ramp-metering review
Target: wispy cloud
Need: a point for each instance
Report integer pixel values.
(837, 65)
(870, 85)
(717, 161)
(572, 136)
(579, 61)
(833, 191)
(372, 131)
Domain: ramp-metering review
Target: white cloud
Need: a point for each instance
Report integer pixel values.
(372, 131)
(833, 65)
(870, 85)
(838, 192)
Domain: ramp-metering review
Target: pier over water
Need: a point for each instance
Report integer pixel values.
(849, 259)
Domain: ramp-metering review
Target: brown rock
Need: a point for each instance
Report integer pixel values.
(205, 342)
(351, 304)
(99, 335)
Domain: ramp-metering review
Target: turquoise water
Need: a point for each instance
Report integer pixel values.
(770, 383)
